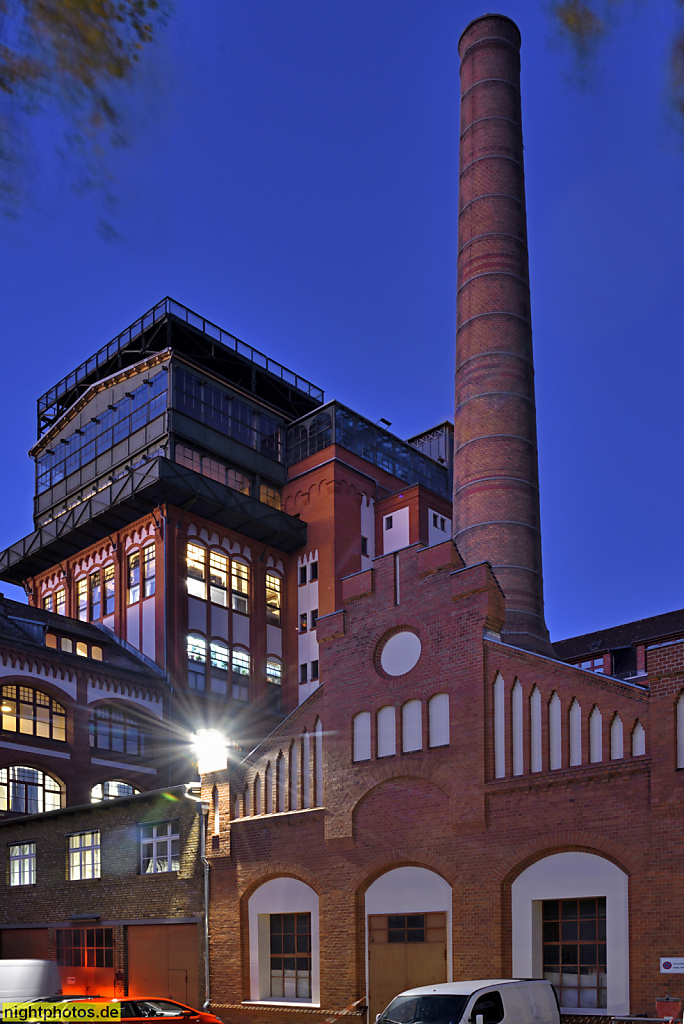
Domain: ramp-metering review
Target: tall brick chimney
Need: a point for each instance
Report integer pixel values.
(496, 486)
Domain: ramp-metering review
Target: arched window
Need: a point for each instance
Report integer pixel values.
(248, 802)
(269, 788)
(575, 721)
(95, 581)
(306, 770)
(411, 726)
(133, 584)
(32, 713)
(237, 807)
(638, 740)
(595, 736)
(111, 790)
(517, 727)
(239, 586)
(29, 791)
(149, 570)
(616, 739)
(197, 571)
(218, 578)
(109, 589)
(197, 659)
(82, 598)
(112, 729)
(438, 720)
(281, 782)
(361, 741)
(499, 727)
(535, 731)
(294, 776)
(273, 598)
(258, 807)
(240, 670)
(318, 758)
(555, 733)
(274, 683)
(218, 654)
(387, 732)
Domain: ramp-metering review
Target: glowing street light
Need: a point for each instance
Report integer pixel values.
(211, 750)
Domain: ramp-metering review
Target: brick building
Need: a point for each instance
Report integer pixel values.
(433, 790)
(116, 895)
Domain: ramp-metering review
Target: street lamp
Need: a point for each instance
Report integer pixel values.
(211, 750)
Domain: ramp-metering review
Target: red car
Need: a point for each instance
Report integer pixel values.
(154, 1009)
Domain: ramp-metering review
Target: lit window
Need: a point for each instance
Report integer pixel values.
(82, 598)
(67, 644)
(96, 653)
(85, 947)
(47, 603)
(240, 667)
(28, 791)
(81, 649)
(95, 596)
(270, 495)
(273, 596)
(84, 856)
(111, 791)
(303, 625)
(574, 950)
(22, 864)
(197, 658)
(238, 481)
(60, 601)
(109, 591)
(197, 571)
(290, 949)
(51, 640)
(149, 570)
(159, 848)
(274, 680)
(134, 577)
(32, 713)
(239, 584)
(218, 578)
(111, 729)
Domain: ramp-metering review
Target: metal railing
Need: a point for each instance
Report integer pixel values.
(47, 403)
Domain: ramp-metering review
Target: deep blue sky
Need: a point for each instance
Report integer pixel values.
(291, 174)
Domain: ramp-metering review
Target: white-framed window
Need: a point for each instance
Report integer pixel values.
(274, 683)
(111, 790)
(284, 942)
(273, 598)
(133, 589)
(149, 570)
(22, 863)
(239, 586)
(32, 712)
(95, 581)
(28, 790)
(159, 848)
(197, 571)
(109, 589)
(60, 601)
(240, 670)
(82, 598)
(197, 660)
(219, 658)
(218, 578)
(84, 856)
(554, 896)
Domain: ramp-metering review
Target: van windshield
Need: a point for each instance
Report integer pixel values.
(424, 1009)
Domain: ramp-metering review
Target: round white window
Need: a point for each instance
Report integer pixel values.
(400, 654)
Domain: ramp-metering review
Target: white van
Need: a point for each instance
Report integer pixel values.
(487, 1001)
(21, 980)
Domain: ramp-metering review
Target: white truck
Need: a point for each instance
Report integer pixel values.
(486, 1001)
(25, 980)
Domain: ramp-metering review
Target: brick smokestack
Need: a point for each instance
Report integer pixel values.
(496, 484)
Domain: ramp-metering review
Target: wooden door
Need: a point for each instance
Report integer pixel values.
(404, 951)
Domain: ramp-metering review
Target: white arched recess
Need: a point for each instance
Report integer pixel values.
(280, 896)
(572, 876)
(410, 890)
